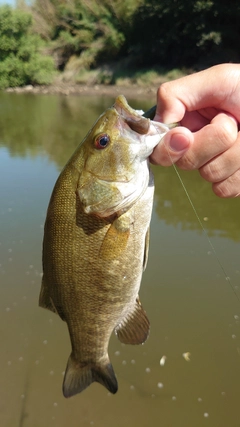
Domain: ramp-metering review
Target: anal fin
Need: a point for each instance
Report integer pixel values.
(134, 329)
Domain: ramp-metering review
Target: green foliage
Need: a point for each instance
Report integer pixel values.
(185, 32)
(21, 62)
(170, 33)
(95, 31)
(87, 35)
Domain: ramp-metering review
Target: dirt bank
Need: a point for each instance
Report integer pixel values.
(133, 91)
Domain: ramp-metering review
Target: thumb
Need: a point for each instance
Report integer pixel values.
(172, 146)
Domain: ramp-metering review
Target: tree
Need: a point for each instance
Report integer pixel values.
(86, 29)
(21, 62)
(186, 32)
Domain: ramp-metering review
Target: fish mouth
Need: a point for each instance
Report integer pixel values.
(136, 121)
(145, 132)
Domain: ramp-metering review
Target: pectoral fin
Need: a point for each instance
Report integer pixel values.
(116, 238)
(134, 329)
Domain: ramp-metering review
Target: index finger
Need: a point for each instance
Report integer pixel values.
(218, 87)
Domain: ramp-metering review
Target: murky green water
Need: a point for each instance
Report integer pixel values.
(191, 305)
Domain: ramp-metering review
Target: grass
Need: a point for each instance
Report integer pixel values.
(120, 74)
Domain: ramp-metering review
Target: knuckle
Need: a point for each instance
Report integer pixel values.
(166, 160)
(163, 90)
(225, 134)
(221, 189)
(229, 187)
(211, 172)
(187, 163)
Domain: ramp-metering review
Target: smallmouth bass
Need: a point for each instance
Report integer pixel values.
(96, 240)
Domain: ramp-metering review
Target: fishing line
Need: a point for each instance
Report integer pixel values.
(227, 278)
(150, 114)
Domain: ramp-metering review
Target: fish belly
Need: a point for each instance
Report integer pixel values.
(92, 274)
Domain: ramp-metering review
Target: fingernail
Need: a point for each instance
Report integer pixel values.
(179, 142)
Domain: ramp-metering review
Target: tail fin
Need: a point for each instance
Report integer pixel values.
(78, 377)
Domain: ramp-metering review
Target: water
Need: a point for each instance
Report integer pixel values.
(191, 305)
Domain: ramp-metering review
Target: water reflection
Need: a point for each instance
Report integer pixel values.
(219, 217)
(191, 306)
(30, 125)
(54, 125)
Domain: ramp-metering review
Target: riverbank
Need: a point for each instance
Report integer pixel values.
(74, 89)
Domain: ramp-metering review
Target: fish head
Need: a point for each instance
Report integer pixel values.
(115, 171)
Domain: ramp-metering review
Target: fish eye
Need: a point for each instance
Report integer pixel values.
(102, 141)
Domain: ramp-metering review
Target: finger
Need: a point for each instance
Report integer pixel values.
(223, 166)
(199, 91)
(172, 147)
(209, 142)
(229, 187)
(195, 120)
(169, 109)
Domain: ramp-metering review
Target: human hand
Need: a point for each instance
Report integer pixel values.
(207, 106)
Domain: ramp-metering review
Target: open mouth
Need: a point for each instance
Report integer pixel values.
(135, 121)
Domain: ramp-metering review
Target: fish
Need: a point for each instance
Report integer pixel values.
(96, 241)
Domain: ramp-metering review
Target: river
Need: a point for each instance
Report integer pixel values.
(193, 309)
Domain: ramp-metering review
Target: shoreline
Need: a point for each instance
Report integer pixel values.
(135, 91)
